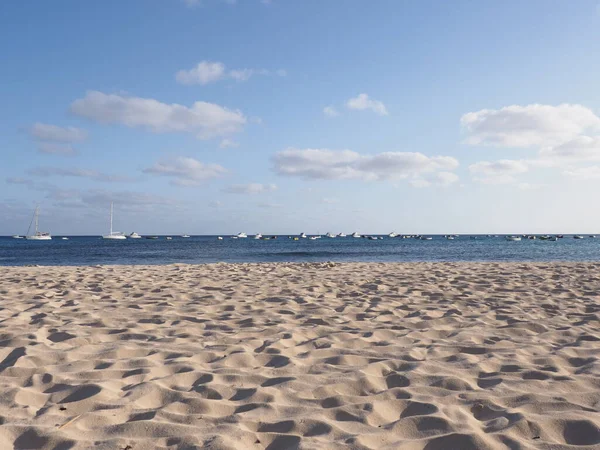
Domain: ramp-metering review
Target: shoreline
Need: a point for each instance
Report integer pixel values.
(417, 356)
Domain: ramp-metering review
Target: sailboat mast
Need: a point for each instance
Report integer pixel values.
(37, 213)
(111, 217)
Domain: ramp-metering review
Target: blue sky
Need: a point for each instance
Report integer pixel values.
(283, 116)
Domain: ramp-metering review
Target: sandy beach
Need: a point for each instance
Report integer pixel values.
(429, 356)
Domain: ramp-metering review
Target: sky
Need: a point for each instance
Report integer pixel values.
(289, 116)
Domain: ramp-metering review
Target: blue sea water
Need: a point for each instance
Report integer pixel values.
(90, 250)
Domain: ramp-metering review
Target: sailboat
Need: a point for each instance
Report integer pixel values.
(38, 235)
(113, 234)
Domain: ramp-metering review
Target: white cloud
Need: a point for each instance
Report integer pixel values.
(330, 111)
(497, 172)
(251, 188)
(528, 126)
(581, 148)
(206, 72)
(76, 172)
(363, 102)
(53, 133)
(206, 120)
(446, 178)
(584, 173)
(228, 143)
(327, 164)
(56, 149)
(186, 171)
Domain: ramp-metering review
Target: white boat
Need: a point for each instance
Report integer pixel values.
(185, 236)
(16, 236)
(134, 235)
(450, 238)
(258, 236)
(303, 235)
(392, 235)
(220, 238)
(341, 235)
(577, 237)
(65, 238)
(426, 238)
(513, 238)
(169, 238)
(355, 235)
(37, 235)
(114, 235)
(241, 235)
(314, 238)
(330, 235)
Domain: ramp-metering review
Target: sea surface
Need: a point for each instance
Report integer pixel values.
(91, 250)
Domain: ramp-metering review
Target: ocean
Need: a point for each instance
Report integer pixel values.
(91, 250)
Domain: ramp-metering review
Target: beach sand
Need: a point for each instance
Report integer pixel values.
(430, 356)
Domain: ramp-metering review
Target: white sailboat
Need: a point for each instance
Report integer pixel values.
(37, 235)
(116, 235)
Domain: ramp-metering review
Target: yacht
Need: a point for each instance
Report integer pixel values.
(341, 235)
(392, 235)
(220, 238)
(513, 238)
(355, 235)
(314, 238)
(185, 236)
(65, 238)
(330, 235)
(258, 236)
(37, 235)
(303, 235)
(577, 236)
(134, 235)
(114, 235)
(426, 238)
(241, 235)
(169, 238)
(16, 236)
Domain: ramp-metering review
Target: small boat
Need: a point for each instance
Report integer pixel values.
(552, 239)
(16, 236)
(258, 236)
(113, 235)
(330, 235)
(560, 236)
(372, 238)
(134, 235)
(38, 235)
(341, 235)
(185, 236)
(169, 238)
(592, 236)
(314, 238)
(220, 238)
(426, 238)
(513, 238)
(450, 238)
(296, 239)
(303, 235)
(577, 236)
(241, 235)
(64, 238)
(392, 235)
(152, 237)
(355, 235)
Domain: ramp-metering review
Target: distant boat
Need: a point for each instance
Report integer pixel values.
(169, 238)
(426, 238)
(314, 238)
(513, 238)
(303, 235)
(592, 236)
(220, 238)
(330, 235)
(355, 235)
(341, 235)
(450, 238)
(114, 235)
(151, 237)
(552, 239)
(258, 236)
(134, 235)
(37, 235)
(16, 236)
(185, 236)
(372, 238)
(241, 235)
(65, 238)
(392, 235)
(577, 237)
